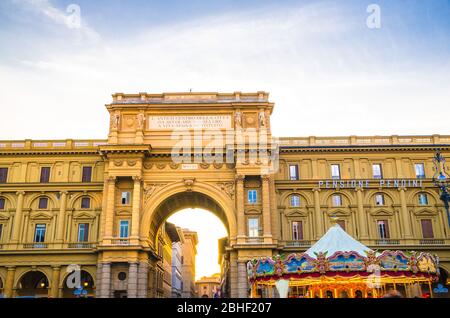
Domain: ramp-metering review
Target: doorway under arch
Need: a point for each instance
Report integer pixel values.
(87, 285)
(33, 284)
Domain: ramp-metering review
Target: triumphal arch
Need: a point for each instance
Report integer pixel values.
(98, 207)
(178, 151)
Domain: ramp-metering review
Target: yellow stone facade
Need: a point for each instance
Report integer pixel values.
(130, 183)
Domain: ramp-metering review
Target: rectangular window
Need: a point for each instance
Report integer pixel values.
(2, 203)
(83, 232)
(383, 229)
(87, 174)
(420, 170)
(253, 227)
(427, 229)
(297, 230)
(295, 201)
(379, 199)
(293, 172)
(39, 233)
(43, 203)
(1, 231)
(123, 231)
(45, 175)
(376, 169)
(337, 200)
(3, 175)
(335, 171)
(85, 203)
(126, 197)
(341, 224)
(423, 199)
(252, 196)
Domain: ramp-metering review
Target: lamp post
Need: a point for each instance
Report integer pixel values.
(441, 179)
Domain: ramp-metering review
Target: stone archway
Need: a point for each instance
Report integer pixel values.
(177, 196)
(87, 284)
(33, 284)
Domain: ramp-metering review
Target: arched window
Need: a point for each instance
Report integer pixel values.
(85, 202)
(2, 203)
(43, 203)
(295, 200)
(423, 199)
(379, 199)
(336, 200)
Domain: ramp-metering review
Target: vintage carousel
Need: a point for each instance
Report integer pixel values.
(338, 266)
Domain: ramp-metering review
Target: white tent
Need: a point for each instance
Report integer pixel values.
(336, 239)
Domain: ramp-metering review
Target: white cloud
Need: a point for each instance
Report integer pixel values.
(71, 18)
(322, 82)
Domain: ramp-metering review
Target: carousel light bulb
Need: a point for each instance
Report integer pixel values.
(85, 284)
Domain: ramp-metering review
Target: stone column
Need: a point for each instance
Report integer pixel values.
(9, 283)
(61, 217)
(406, 219)
(109, 208)
(267, 227)
(242, 279)
(54, 288)
(136, 208)
(362, 220)
(142, 280)
(17, 218)
(98, 280)
(241, 230)
(318, 215)
(132, 280)
(233, 276)
(106, 281)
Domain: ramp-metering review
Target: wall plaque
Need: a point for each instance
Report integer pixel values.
(189, 122)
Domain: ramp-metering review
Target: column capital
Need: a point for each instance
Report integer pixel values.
(403, 189)
(265, 177)
(11, 268)
(56, 267)
(111, 179)
(239, 177)
(137, 178)
(316, 189)
(359, 189)
(65, 192)
(20, 193)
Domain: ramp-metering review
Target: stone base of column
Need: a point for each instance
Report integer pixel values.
(234, 279)
(142, 280)
(132, 281)
(242, 280)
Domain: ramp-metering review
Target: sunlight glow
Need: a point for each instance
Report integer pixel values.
(209, 229)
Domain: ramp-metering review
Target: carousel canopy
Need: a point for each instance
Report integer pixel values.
(337, 240)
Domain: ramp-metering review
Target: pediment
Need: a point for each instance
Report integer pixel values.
(338, 212)
(4, 216)
(83, 215)
(295, 212)
(41, 216)
(381, 212)
(425, 212)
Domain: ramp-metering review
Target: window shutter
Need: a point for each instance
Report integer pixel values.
(300, 230)
(45, 174)
(87, 174)
(386, 226)
(3, 175)
(86, 232)
(427, 229)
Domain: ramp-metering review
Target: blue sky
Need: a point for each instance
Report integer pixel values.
(327, 72)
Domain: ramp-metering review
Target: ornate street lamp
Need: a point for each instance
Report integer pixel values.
(441, 179)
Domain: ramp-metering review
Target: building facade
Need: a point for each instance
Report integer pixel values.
(189, 251)
(208, 287)
(177, 269)
(99, 205)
